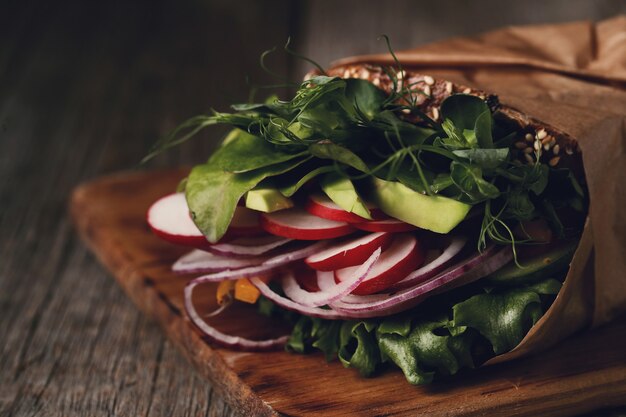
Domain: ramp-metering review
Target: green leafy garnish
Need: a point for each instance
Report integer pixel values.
(461, 329)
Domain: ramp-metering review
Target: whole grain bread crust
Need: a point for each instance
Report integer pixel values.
(554, 147)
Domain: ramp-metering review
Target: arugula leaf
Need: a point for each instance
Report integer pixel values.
(470, 181)
(329, 150)
(212, 193)
(342, 192)
(248, 152)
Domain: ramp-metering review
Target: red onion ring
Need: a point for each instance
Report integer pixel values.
(199, 261)
(288, 304)
(234, 342)
(245, 247)
(268, 265)
(464, 272)
(432, 268)
(315, 299)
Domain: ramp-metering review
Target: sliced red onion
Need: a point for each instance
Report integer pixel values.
(315, 299)
(464, 272)
(234, 342)
(326, 281)
(432, 268)
(198, 261)
(288, 304)
(252, 246)
(268, 265)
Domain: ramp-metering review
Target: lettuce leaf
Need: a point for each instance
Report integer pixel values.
(461, 329)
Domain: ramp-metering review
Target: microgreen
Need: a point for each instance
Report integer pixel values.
(351, 128)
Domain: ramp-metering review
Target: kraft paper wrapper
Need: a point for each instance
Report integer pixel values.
(573, 77)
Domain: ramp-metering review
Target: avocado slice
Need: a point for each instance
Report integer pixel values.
(436, 213)
(536, 267)
(267, 200)
(341, 190)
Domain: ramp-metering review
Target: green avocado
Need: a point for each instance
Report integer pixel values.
(436, 213)
(536, 267)
(267, 200)
(341, 190)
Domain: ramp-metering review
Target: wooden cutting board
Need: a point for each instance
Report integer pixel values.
(581, 374)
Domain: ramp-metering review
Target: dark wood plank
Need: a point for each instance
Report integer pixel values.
(582, 374)
(86, 89)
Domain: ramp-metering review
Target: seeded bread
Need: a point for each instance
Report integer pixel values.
(555, 147)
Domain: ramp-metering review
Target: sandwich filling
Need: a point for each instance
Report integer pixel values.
(390, 217)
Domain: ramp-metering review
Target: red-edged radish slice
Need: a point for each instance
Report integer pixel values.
(432, 268)
(399, 260)
(348, 253)
(252, 246)
(474, 267)
(387, 225)
(320, 298)
(321, 206)
(199, 261)
(169, 219)
(296, 223)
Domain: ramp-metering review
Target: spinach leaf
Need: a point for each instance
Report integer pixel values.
(292, 184)
(212, 193)
(482, 129)
(470, 181)
(248, 152)
(463, 110)
(364, 96)
(484, 158)
(329, 150)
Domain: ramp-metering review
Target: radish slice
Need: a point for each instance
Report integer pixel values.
(223, 339)
(253, 246)
(321, 205)
(296, 223)
(297, 294)
(169, 219)
(268, 265)
(326, 281)
(434, 267)
(402, 257)
(350, 253)
(464, 272)
(387, 225)
(288, 304)
(198, 261)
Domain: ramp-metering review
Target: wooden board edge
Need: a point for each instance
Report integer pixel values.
(209, 363)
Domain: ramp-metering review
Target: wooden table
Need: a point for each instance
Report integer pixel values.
(84, 90)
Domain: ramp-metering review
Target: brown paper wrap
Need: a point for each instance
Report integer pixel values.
(573, 77)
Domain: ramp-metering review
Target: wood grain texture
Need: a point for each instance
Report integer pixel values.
(85, 89)
(582, 374)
